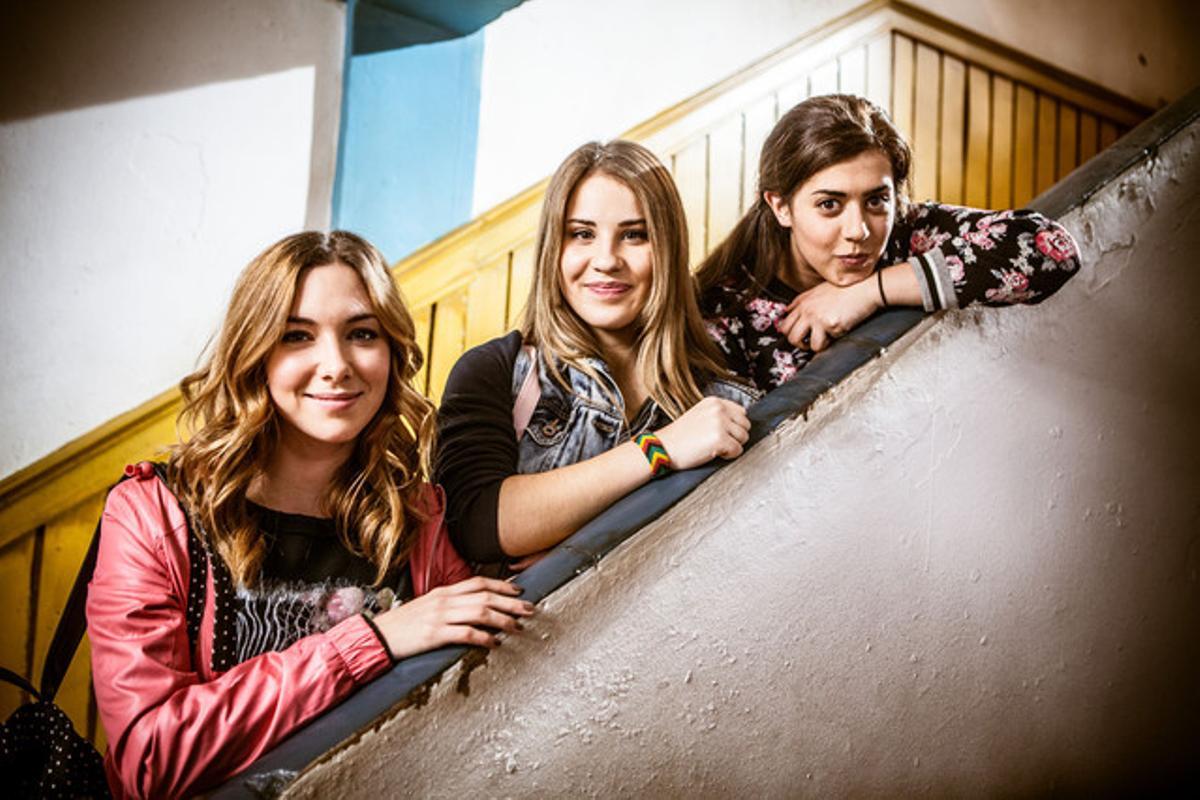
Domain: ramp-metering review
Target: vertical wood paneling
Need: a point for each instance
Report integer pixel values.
(953, 125)
(903, 89)
(487, 301)
(1047, 143)
(760, 118)
(1108, 134)
(520, 278)
(449, 328)
(792, 93)
(690, 168)
(1024, 131)
(421, 320)
(879, 72)
(925, 134)
(1001, 194)
(1068, 130)
(852, 71)
(824, 79)
(979, 122)
(64, 543)
(15, 560)
(724, 179)
(1089, 136)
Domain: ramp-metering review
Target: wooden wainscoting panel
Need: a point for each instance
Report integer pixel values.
(1089, 136)
(951, 129)
(824, 79)
(1047, 143)
(1068, 141)
(904, 94)
(791, 93)
(449, 330)
(760, 118)
(978, 131)
(925, 139)
(725, 152)
(1024, 134)
(1001, 171)
(421, 322)
(690, 167)
(487, 302)
(852, 71)
(520, 279)
(1108, 134)
(879, 72)
(64, 543)
(16, 616)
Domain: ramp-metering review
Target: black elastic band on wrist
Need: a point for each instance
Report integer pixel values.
(378, 635)
(879, 280)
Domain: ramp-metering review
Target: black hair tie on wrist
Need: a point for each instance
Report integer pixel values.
(879, 280)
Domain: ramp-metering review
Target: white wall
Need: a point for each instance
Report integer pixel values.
(972, 571)
(147, 152)
(557, 73)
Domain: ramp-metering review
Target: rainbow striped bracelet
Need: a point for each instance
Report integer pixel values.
(652, 448)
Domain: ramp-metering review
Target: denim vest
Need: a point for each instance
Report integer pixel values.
(572, 426)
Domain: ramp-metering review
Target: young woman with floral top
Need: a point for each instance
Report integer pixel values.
(830, 240)
(614, 348)
(294, 549)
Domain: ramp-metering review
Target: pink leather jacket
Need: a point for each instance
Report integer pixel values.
(175, 726)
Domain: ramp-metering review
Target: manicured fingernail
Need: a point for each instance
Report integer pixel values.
(520, 627)
(529, 608)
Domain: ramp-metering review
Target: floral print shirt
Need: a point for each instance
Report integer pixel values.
(959, 255)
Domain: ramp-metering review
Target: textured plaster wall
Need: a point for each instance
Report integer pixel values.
(972, 571)
(557, 73)
(147, 151)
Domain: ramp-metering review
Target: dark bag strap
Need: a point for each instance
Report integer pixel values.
(73, 621)
(18, 681)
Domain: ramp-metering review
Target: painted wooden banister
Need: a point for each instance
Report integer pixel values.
(989, 127)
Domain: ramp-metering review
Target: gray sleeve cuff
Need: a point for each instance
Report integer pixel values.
(933, 276)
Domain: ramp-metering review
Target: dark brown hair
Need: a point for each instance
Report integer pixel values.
(815, 134)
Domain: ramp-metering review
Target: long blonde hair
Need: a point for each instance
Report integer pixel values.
(230, 425)
(675, 356)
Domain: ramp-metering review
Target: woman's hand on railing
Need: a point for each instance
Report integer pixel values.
(823, 313)
(453, 614)
(712, 428)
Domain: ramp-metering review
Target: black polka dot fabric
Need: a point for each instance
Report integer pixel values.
(42, 755)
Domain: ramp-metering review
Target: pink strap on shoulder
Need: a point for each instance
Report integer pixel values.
(528, 396)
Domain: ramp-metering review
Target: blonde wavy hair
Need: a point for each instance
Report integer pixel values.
(675, 356)
(229, 426)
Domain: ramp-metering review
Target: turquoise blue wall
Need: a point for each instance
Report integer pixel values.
(410, 124)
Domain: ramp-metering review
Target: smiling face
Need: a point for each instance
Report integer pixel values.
(840, 220)
(606, 261)
(328, 374)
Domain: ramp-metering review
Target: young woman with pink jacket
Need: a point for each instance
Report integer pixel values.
(295, 549)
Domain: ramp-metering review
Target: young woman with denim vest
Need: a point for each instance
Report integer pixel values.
(312, 552)
(627, 378)
(830, 240)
